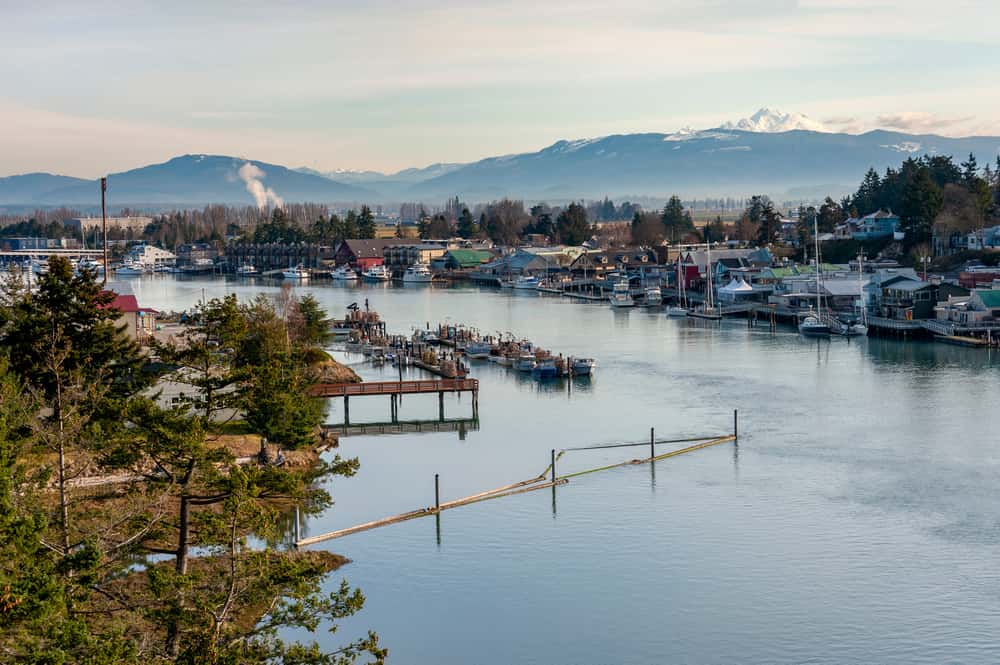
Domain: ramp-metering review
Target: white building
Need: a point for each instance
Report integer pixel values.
(151, 257)
(135, 224)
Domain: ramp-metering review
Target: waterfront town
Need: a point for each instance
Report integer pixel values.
(864, 281)
(499, 333)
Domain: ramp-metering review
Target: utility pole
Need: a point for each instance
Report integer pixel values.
(104, 227)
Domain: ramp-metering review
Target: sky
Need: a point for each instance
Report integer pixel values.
(88, 88)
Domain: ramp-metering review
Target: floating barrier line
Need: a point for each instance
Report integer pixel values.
(646, 460)
(530, 485)
(642, 443)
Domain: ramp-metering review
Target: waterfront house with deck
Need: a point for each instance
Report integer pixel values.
(363, 253)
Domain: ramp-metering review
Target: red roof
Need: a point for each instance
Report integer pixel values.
(128, 305)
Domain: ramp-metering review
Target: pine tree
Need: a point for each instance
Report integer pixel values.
(366, 223)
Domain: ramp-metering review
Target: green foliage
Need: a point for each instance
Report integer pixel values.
(314, 322)
(280, 229)
(676, 220)
(366, 223)
(572, 227)
(71, 316)
(275, 404)
(467, 227)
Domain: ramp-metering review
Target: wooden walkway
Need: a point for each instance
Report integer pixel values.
(394, 387)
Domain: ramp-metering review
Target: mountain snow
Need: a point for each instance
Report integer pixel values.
(772, 121)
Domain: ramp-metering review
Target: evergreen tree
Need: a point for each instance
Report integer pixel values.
(920, 204)
(572, 227)
(675, 222)
(350, 227)
(366, 223)
(467, 225)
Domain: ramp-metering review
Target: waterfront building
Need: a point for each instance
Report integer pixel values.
(139, 322)
(463, 259)
(148, 256)
(135, 224)
(191, 253)
(276, 255)
(400, 257)
(879, 224)
(364, 253)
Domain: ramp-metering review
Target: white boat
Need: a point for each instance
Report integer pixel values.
(298, 272)
(677, 312)
(582, 366)
(418, 273)
(129, 270)
(377, 274)
(811, 325)
(526, 283)
(39, 267)
(246, 270)
(621, 295)
(344, 273)
(90, 265)
(525, 362)
(199, 266)
(652, 296)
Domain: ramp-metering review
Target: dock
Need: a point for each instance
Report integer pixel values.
(395, 390)
(460, 425)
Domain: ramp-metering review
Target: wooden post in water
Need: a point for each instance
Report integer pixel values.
(553, 465)
(441, 405)
(437, 495)
(736, 425)
(347, 410)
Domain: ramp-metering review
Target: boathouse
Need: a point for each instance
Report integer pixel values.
(363, 253)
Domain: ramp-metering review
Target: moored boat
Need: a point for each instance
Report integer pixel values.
(377, 274)
(418, 273)
(344, 273)
(246, 270)
(811, 326)
(582, 366)
(526, 283)
(652, 296)
(545, 368)
(525, 362)
(621, 295)
(477, 350)
(677, 312)
(296, 272)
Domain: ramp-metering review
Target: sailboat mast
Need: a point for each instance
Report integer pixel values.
(816, 239)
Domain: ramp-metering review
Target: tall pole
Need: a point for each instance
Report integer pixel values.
(104, 227)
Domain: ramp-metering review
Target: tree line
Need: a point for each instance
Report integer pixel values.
(129, 533)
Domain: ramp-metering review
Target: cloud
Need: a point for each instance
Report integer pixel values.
(922, 122)
(228, 115)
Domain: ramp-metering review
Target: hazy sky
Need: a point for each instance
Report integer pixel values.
(93, 87)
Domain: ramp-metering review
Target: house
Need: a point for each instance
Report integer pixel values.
(907, 299)
(86, 224)
(363, 253)
(879, 224)
(139, 322)
(464, 259)
(595, 264)
(981, 306)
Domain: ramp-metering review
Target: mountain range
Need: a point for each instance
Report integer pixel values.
(786, 155)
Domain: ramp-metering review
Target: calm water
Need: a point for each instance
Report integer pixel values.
(857, 522)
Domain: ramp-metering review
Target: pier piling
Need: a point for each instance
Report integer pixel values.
(437, 494)
(736, 426)
(441, 405)
(347, 410)
(652, 440)
(553, 465)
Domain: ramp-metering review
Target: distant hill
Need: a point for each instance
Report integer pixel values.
(28, 187)
(189, 179)
(778, 157)
(714, 162)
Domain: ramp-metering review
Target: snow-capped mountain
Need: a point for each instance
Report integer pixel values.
(772, 121)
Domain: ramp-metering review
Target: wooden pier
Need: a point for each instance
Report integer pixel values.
(396, 389)
(460, 425)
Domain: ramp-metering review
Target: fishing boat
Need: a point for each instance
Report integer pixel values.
(811, 325)
(545, 368)
(344, 273)
(418, 273)
(297, 272)
(526, 283)
(621, 295)
(582, 366)
(525, 362)
(477, 350)
(652, 296)
(246, 270)
(377, 274)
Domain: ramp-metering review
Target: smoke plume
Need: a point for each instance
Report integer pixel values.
(263, 196)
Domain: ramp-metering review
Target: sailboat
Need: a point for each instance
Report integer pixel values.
(811, 325)
(680, 308)
(859, 328)
(708, 310)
